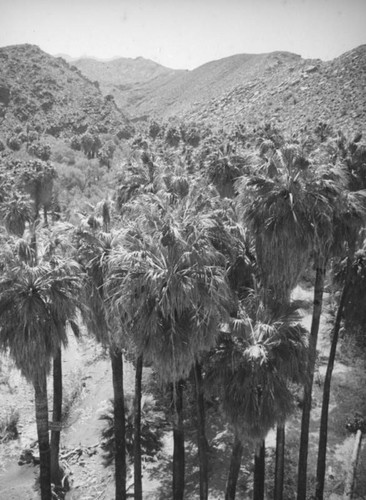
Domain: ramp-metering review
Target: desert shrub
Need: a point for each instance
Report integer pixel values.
(70, 176)
(33, 136)
(75, 143)
(154, 129)
(192, 137)
(90, 144)
(40, 150)
(14, 143)
(105, 154)
(87, 144)
(323, 130)
(140, 142)
(62, 153)
(126, 132)
(172, 136)
(9, 425)
(22, 137)
(2, 146)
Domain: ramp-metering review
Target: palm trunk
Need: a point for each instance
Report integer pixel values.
(234, 469)
(45, 215)
(119, 424)
(56, 418)
(137, 430)
(202, 441)
(280, 462)
(40, 390)
(305, 422)
(323, 433)
(178, 438)
(350, 479)
(259, 471)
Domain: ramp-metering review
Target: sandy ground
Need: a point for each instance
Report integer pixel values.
(87, 372)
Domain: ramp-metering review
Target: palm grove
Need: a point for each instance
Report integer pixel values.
(187, 267)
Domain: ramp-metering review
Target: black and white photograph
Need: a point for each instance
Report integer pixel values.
(183, 249)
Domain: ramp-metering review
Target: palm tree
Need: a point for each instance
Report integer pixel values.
(291, 214)
(331, 230)
(58, 249)
(253, 365)
(350, 218)
(37, 178)
(276, 211)
(93, 251)
(234, 468)
(15, 212)
(224, 166)
(35, 302)
(168, 283)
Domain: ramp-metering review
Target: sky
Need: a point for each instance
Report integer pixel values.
(184, 33)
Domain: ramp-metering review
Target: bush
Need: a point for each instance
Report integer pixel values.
(127, 132)
(62, 153)
(75, 143)
(23, 137)
(33, 136)
(14, 143)
(71, 177)
(154, 129)
(9, 425)
(192, 137)
(172, 137)
(40, 150)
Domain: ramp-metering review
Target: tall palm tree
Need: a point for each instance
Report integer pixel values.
(35, 303)
(172, 188)
(276, 211)
(291, 214)
(93, 251)
(168, 283)
(224, 166)
(58, 249)
(253, 366)
(329, 187)
(350, 218)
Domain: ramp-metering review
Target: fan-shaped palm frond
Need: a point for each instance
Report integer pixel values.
(254, 365)
(15, 212)
(169, 287)
(35, 303)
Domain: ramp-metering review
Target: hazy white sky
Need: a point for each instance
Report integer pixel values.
(184, 33)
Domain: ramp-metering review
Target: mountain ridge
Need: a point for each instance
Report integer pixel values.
(277, 86)
(40, 91)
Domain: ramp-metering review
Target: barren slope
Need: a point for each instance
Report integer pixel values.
(296, 95)
(123, 77)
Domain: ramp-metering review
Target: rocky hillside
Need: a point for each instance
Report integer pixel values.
(40, 92)
(184, 92)
(294, 93)
(59, 98)
(248, 88)
(123, 77)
